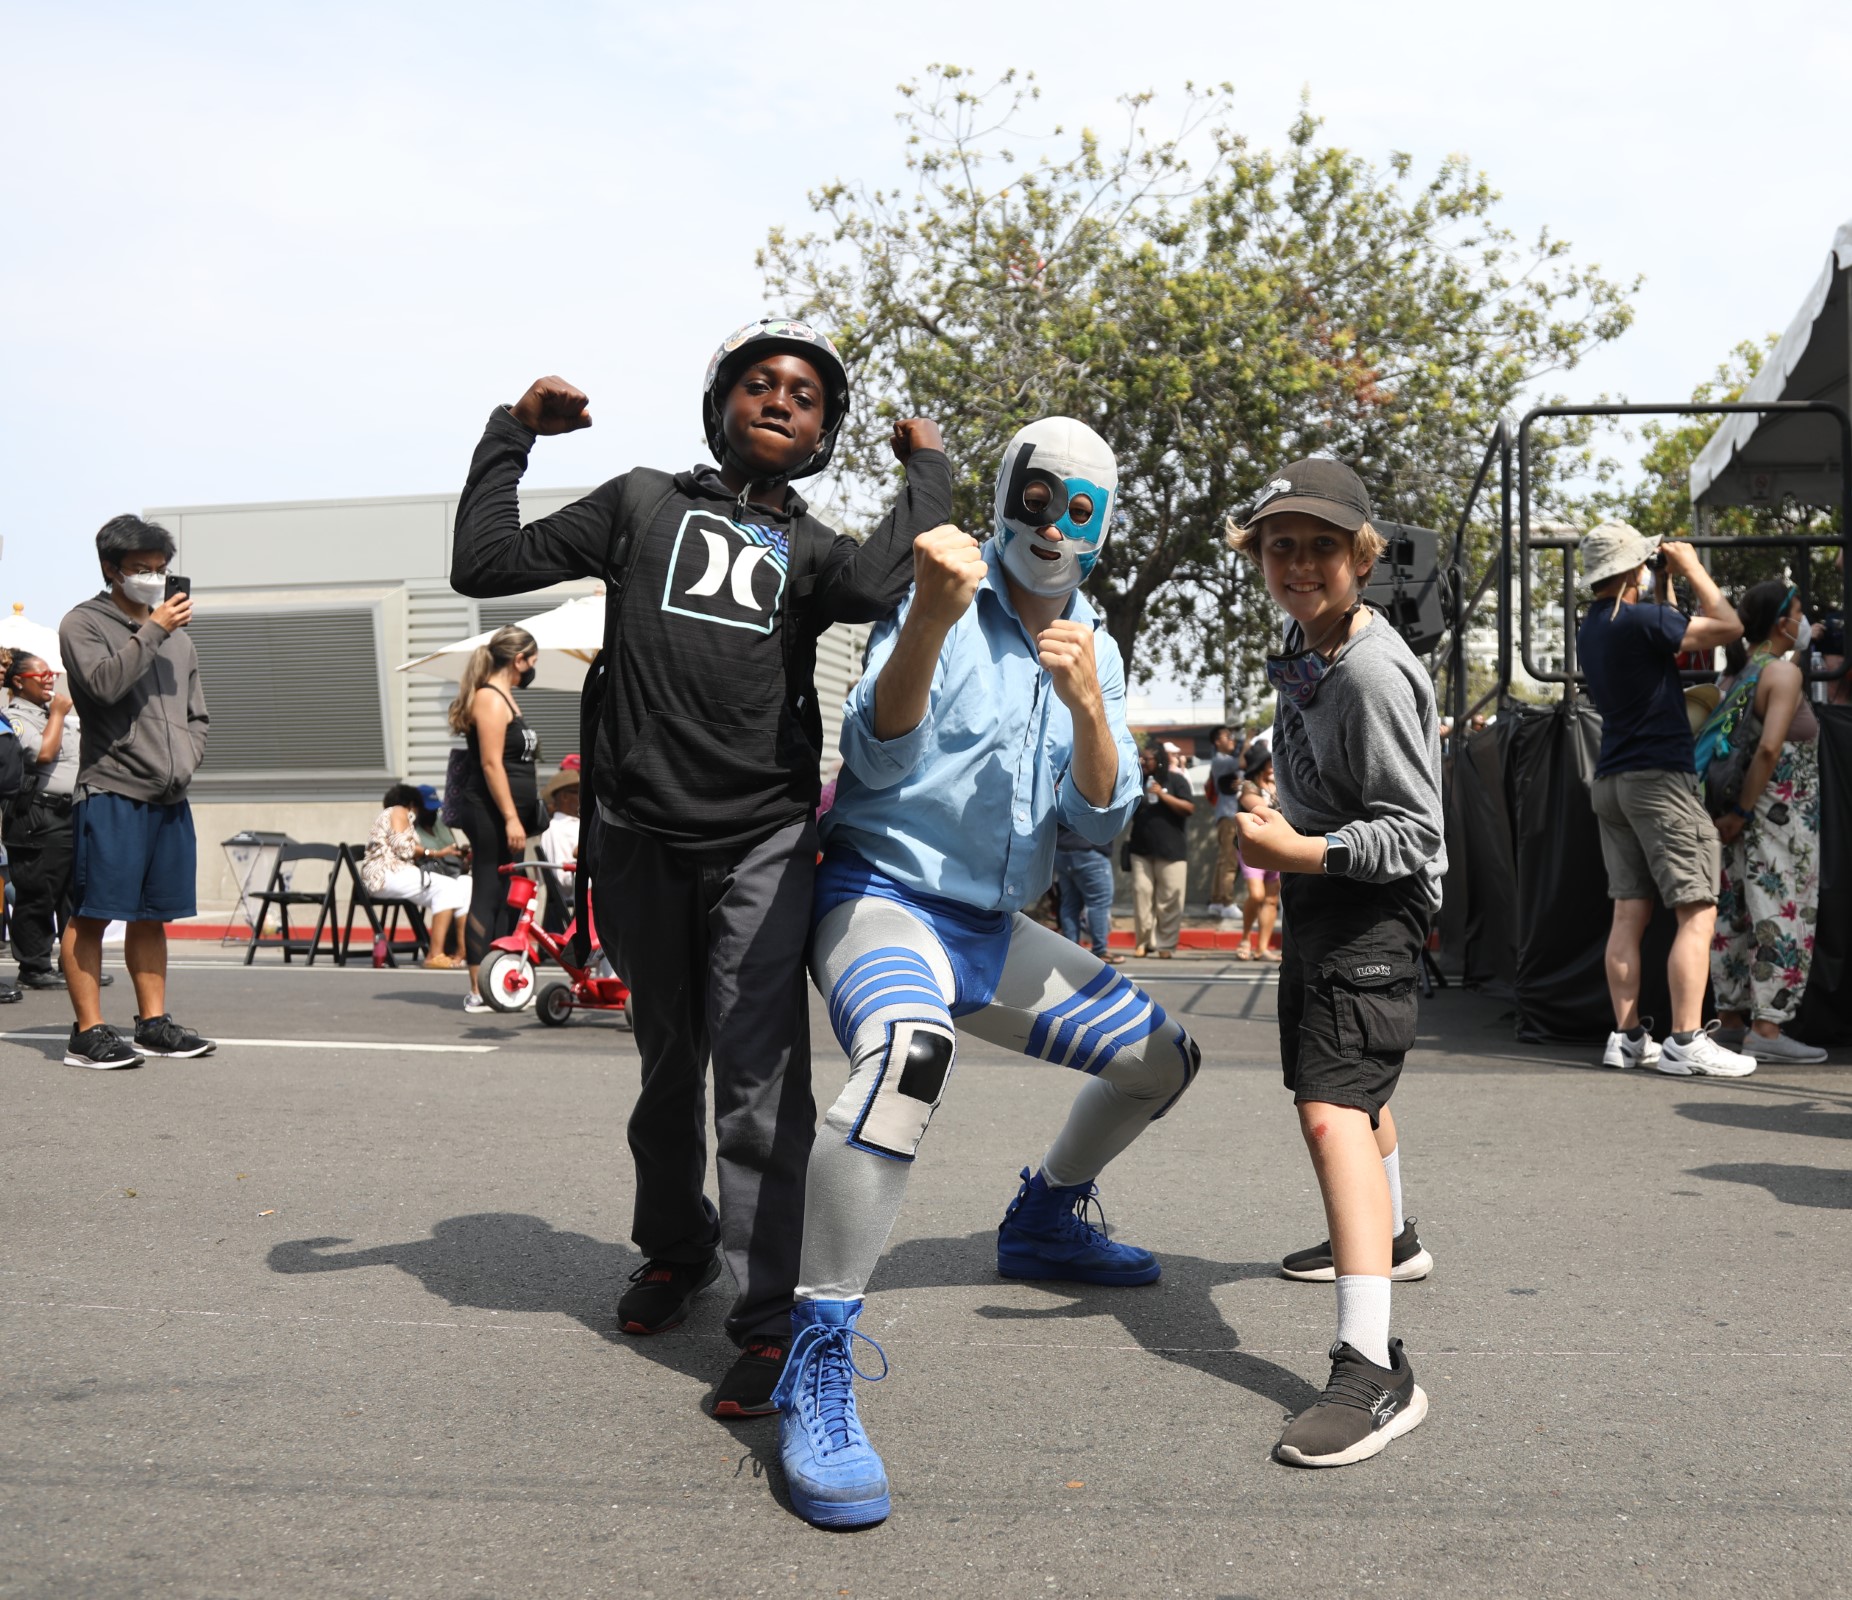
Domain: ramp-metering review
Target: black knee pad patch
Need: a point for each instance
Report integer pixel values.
(929, 1058)
(907, 1088)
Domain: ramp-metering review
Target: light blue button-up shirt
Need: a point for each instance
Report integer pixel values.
(961, 806)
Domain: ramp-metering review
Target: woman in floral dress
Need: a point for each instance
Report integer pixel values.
(1771, 841)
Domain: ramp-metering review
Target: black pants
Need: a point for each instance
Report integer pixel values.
(39, 861)
(490, 915)
(713, 950)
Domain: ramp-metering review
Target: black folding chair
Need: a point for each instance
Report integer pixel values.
(285, 890)
(382, 913)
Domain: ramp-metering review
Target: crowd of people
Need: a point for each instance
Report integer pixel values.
(985, 753)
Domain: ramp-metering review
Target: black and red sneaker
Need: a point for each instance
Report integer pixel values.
(746, 1390)
(661, 1291)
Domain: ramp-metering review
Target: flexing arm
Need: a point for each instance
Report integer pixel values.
(948, 567)
(864, 582)
(1101, 784)
(1717, 622)
(491, 553)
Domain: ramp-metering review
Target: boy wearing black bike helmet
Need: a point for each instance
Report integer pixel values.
(718, 582)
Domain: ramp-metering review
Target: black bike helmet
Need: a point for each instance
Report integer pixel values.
(768, 336)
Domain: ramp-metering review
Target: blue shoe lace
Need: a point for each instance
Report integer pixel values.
(825, 1359)
(1073, 1222)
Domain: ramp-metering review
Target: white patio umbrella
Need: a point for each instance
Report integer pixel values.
(18, 633)
(569, 636)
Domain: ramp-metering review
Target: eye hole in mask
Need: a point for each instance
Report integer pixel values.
(1035, 496)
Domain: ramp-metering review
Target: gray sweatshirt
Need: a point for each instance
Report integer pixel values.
(136, 689)
(1363, 761)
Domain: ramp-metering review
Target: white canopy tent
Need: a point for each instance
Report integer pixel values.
(569, 637)
(1763, 460)
(18, 633)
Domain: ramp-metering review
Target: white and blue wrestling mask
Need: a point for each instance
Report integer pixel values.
(1057, 473)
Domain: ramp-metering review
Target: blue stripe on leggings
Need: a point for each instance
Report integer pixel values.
(1102, 980)
(881, 1000)
(887, 964)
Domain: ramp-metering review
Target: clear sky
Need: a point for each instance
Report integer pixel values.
(257, 252)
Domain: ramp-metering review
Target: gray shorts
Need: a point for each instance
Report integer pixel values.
(1656, 834)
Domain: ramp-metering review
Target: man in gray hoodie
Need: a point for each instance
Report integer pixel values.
(134, 678)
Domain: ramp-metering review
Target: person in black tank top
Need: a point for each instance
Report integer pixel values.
(501, 790)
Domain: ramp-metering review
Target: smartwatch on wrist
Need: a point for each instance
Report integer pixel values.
(1337, 857)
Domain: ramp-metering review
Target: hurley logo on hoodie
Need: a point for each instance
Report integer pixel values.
(727, 572)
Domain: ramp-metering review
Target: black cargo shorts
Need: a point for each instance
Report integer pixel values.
(1349, 963)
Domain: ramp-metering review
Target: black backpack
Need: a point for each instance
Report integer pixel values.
(12, 765)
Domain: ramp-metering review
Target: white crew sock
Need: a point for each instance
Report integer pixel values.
(1392, 1170)
(1363, 1316)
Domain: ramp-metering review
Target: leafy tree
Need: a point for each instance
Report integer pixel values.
(1660, 502)
(1213, 309)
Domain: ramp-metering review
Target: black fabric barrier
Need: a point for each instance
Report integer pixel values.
(1478, 913)
(1826, 1008)
(1530, 892)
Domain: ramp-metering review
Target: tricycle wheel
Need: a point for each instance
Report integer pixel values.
(507, 980)
(554, 1006)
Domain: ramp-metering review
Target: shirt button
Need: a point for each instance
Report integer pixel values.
(1022, 816)
(1009, 888)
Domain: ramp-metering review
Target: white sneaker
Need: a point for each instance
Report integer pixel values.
(1704, 1057)
(1217, 910)
(473, 1003)
(1623, 1052)
(1780, 1048)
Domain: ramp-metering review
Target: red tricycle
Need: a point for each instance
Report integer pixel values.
(508, 978)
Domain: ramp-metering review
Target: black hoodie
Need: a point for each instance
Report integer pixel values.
(710, 736)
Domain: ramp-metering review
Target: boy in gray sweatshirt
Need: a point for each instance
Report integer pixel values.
(1358, 843)
(134, 679)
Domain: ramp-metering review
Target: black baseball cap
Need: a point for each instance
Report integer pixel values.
(1318, 486)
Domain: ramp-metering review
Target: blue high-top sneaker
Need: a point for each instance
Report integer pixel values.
(835, 1477)
(1046, 1234)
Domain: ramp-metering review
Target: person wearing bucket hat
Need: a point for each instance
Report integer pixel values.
(1359, 845)
(1655, 833)
(702, 734)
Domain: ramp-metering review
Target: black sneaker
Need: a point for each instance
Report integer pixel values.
(1363, 1407)
(162, 1036)
(9, 992)
(100, 1046)
(40, 980)
(1408, 1261)
(746, 1390)
(659, 1300)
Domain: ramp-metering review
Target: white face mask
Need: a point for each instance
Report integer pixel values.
(1803, 635)
(144, 588)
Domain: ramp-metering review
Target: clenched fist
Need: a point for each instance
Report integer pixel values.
(1066, 650)
(948, 566)
(915, 433)
(552, 405)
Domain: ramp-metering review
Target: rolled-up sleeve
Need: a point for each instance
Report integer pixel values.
(882, 763)
(1101, 824)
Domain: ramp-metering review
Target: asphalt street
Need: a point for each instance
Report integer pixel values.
(329, 1314)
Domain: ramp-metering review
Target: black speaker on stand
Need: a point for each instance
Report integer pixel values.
(1408, 586)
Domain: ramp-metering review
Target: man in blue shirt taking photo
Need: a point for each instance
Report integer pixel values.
(991, 711)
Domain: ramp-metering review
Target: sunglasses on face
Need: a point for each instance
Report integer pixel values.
(36, 677)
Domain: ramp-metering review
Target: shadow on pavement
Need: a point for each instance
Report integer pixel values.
(1175, 1318)
(1824, 1187)
(504, 1261)
(1809, 1117)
